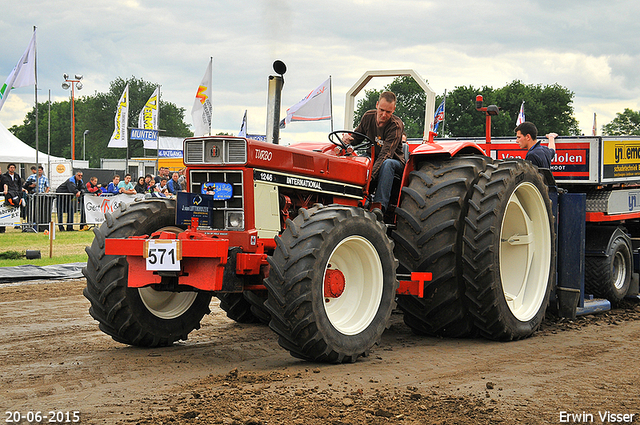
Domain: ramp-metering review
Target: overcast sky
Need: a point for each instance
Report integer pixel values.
(589, 46)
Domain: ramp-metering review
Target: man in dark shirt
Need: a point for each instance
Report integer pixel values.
(65, 203)
(385, 129)
(526, 136)
(12, 187)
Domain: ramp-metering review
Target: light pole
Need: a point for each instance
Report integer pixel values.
(77, 84)
(84, 140)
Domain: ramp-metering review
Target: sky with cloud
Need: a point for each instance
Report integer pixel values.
(588, 46)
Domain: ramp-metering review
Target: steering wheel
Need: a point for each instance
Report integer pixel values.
(333, 138)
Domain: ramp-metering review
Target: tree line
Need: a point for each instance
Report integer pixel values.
(96, 113)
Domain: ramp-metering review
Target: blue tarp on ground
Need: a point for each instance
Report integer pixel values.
(31, 272)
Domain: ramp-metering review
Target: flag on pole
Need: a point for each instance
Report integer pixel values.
(521, 118)
(119, 136)
(202, 107)
(243, 127)
(595, 126)
(24, 73)
(316, 106)
(148, 118)
(439, 116)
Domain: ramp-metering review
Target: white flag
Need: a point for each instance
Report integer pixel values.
(520, 119)
(148, 118)
(315, 106)
(24, 73)
(202, 107)
(119, 136)
(243, 127)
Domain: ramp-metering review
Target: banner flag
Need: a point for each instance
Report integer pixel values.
(521, 118)
(594, 130)
(316, 106)
(119, 136)
(24, 73)
(243, 126)
(148, 118)
(439, 115)
(202, 107)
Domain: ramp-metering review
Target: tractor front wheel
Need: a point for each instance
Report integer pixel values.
(144, 317)
(332, 284)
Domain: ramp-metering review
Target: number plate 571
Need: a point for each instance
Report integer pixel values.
(163, 254)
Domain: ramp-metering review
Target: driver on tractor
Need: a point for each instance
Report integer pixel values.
(386, 130)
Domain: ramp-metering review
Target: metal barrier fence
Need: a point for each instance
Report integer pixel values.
(65, 209)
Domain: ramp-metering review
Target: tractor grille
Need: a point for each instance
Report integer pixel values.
(227, 214)
(215, 151)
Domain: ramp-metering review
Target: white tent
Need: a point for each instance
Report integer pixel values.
(15, 150)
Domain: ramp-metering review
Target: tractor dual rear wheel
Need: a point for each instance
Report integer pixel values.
(143, 316)
(332, 283)
(429, 239)
(509, 250)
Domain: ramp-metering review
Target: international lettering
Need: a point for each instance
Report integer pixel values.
(293, 181)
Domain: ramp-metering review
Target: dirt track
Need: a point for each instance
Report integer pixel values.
(53, 357)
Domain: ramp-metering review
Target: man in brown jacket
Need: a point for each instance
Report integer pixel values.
(385, 129)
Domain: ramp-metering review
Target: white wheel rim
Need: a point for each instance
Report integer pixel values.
(354, 310)
(525, 251)
(619, 270)
(165, 304)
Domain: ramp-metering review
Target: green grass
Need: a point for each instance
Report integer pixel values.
(68, 247)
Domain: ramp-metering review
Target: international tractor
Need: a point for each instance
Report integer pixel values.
(286, 235)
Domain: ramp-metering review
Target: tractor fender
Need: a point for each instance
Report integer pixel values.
(441, 149)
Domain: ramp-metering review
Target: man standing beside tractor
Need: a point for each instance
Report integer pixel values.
(541, 156)
(385, 129)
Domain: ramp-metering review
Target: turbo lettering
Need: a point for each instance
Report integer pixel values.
(264, 155)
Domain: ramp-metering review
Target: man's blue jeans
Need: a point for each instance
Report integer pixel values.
(390, 167)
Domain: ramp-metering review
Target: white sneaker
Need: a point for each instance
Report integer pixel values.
(23, 203)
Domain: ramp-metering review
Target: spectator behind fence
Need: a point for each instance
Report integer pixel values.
(112, 189)
(183, 179)
(12, 187)
(93, 187)
(30, 182)
(161, 188)
(126, 186)
(29, 188)
(173, 185)
(72, 185)
(42, 204)
(140, 186)
(149, 184)
(42, 181)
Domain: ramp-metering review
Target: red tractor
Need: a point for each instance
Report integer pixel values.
(285, 235)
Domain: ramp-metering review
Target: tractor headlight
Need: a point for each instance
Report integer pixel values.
(235, 220)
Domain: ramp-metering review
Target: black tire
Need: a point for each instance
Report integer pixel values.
(244, 307)
(236, 307)
(429, 239)
(355, 246)
(509, 250)
(610, 276)
(257, 299)
(142, 317)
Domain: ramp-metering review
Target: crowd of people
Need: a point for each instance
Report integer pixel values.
(165, 184)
